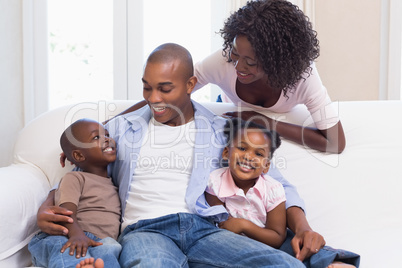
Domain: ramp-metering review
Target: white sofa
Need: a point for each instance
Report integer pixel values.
(352, 199)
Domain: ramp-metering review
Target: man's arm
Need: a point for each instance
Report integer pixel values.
(50, 216)
(306, 242)
(133, 108)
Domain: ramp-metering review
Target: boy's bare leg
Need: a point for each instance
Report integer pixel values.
(338, 264)
(90, 262)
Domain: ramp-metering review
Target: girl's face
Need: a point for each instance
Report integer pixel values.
(248, 155)
(247, 68)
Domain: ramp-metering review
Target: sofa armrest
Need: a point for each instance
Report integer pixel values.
(23, 188)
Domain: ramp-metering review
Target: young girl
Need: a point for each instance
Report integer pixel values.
(255, 202)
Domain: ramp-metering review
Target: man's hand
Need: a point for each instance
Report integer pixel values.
(63, 159)
(49, 216)
(306, 244)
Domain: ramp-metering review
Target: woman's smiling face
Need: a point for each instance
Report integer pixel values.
(247, 68)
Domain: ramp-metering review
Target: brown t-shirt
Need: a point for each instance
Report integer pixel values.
(97, 200)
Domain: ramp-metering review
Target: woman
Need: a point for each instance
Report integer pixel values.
(267, 64)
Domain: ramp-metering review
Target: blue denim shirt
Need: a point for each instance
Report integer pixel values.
(129, 130)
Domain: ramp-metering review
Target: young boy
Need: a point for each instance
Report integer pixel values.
(255, 202)
(93, 200)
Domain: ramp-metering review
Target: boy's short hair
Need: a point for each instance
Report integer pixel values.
(68, 140)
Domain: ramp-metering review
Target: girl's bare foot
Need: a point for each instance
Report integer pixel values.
(90, 263)
(338, 264)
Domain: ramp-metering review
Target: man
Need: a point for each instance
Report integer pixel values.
(166, 151)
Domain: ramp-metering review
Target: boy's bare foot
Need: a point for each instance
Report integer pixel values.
(90, 263)
(338, 264)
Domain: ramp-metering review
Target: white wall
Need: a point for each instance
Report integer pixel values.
(349, 33)
(11, 85)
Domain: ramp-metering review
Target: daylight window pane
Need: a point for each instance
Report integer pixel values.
(80, 51)
(186, 22)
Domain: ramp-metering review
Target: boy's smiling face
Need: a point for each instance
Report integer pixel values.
(97, 147)
(248, 155)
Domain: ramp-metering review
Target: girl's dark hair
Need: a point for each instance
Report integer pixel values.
(234, 125)
(282, 38)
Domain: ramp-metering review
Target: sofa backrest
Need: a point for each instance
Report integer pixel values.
(38, 143)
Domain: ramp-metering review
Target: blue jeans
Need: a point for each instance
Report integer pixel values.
(187, 240)
(45, 251)
(324, 257)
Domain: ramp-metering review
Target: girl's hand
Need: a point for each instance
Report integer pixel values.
(80, 244)
(234, 225)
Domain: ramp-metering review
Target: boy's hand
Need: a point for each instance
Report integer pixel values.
(80, 244)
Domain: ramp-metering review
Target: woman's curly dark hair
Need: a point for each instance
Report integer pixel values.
(282, 38)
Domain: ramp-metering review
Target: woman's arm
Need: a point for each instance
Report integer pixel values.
(77, 241)
(50, 217)
(273, 234)
(306, 242)
(331, 140)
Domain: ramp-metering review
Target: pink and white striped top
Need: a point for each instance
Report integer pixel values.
(266, 194)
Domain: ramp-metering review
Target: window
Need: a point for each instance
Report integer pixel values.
(171, 22)
(97, 48)
(191, 23)
(80, 37)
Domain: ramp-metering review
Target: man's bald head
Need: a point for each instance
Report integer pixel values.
(169, 52)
